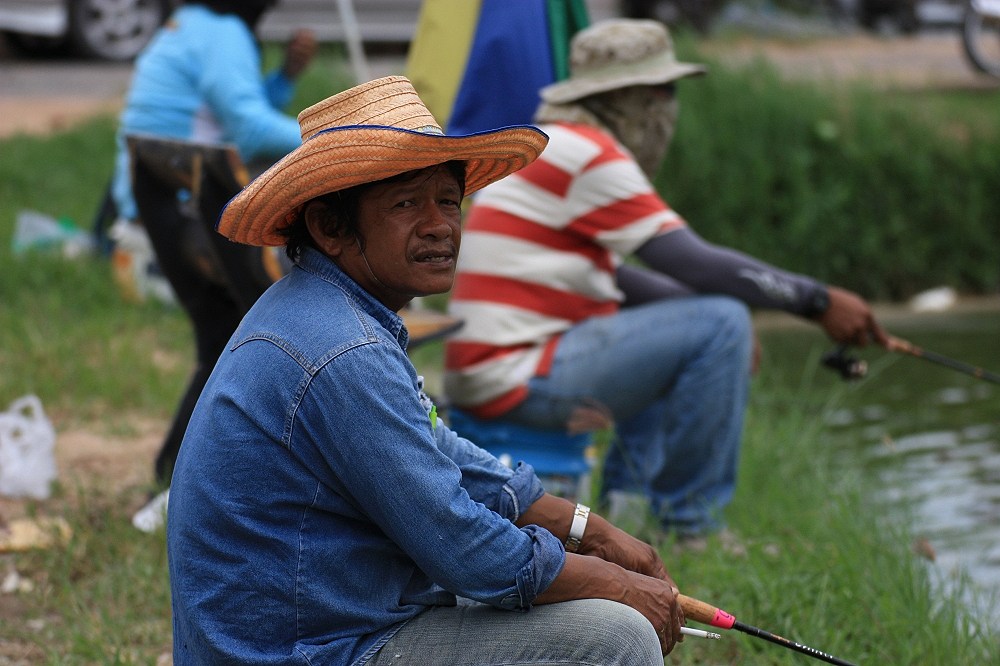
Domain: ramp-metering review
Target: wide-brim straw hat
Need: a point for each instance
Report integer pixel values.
(365, 134)
(619, 53)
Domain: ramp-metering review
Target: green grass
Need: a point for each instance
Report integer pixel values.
(71, 340)
(860, 188)
(102, 599)
(822, 567)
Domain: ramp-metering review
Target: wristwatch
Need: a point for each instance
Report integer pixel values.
(579, 526)
(818, 303)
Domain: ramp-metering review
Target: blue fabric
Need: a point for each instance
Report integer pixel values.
(675, 374)
(509, 61)
(200, 79)
(551, 452)
(315, 508)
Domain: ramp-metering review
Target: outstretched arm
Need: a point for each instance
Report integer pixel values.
(708, 268)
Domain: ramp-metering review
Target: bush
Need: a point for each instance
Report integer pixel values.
(873, 192)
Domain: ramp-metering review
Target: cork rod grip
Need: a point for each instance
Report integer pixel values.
(699, 611)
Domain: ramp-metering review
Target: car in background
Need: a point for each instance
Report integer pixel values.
(905, 16)
(104, 29)
(118, 30)
(909, 16)
(375, 21)
(372, 21)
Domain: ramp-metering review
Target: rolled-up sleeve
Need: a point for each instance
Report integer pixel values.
(533, 578)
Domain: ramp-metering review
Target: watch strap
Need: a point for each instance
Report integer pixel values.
(580, 516)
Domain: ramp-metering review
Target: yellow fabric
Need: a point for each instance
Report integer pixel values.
(439, 52)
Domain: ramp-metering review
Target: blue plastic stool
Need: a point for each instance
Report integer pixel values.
(561, 461)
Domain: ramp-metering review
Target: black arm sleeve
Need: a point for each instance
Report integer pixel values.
(642, 285)
(706, 268)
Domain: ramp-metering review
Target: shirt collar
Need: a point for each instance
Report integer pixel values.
(317, 263)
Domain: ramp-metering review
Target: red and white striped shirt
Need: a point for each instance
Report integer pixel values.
(539, 253)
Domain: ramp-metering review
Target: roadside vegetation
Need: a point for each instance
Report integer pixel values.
(887, 194)
(860, 188)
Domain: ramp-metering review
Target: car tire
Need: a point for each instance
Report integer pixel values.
(114, 30)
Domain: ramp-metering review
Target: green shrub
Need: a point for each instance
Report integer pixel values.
(887, 194)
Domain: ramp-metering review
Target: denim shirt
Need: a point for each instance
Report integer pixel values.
(315, 507)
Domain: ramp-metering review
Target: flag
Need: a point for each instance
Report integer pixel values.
(479, 64)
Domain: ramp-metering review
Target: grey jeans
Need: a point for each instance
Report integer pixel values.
(590, 632)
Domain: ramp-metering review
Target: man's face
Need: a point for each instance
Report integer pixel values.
(642, 118)
(412, 231)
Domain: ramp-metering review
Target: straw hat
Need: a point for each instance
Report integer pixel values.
(616, 54)
(370, 132)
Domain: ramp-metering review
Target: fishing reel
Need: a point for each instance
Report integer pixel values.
(852, 367)
(849, 367)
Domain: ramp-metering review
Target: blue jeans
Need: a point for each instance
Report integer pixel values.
(675, 375)
(586, 631)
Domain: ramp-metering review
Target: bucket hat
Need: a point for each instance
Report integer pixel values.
(364, 134)
(619, 53)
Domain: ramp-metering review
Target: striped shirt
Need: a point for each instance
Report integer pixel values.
(539, 253)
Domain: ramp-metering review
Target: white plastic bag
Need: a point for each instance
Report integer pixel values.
(27, 450)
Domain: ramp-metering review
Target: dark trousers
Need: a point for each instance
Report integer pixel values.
(215, 281)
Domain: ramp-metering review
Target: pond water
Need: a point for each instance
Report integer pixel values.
(931, 436)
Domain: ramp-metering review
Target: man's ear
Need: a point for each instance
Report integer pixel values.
(319, 221)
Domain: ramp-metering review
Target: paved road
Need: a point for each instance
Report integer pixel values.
(41, 96)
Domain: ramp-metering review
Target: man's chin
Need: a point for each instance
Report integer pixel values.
(435, 290)
(439, 282)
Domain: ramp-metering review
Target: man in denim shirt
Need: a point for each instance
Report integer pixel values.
(320, 512)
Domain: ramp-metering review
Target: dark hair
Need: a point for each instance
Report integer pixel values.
(248, 10)
(342, 207)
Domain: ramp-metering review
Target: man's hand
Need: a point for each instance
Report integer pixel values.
(849, 320)
(600, 538)
(611, 564)
(659, 603)
(604, 540)
(589, 416)
(585, 577)
(299, 53)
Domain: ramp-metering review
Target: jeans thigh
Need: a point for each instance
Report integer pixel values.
(629, 360)
(585, 631)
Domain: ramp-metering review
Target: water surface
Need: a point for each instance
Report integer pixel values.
(930, 435)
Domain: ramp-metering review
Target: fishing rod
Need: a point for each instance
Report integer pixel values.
(851, 367)
(904, 347)
(716, 617)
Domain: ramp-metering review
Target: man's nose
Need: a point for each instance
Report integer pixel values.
(436, 223)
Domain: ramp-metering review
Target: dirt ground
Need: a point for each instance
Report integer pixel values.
(90, 458)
